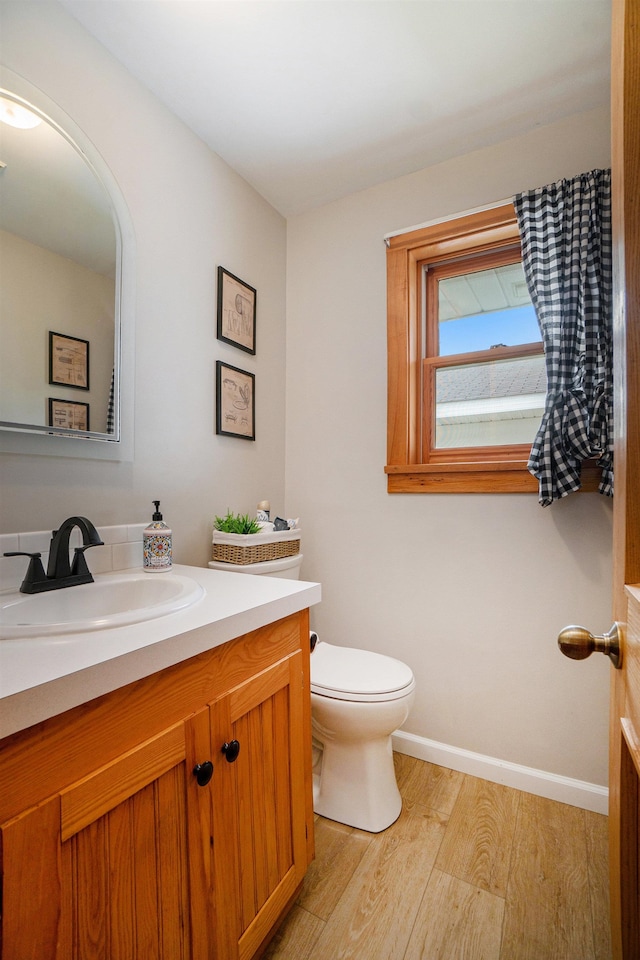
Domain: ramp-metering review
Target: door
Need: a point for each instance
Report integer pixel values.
(117, 865)
(624, 724)
(624, 769)
(259, 735)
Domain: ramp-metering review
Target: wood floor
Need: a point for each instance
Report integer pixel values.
(470, 871)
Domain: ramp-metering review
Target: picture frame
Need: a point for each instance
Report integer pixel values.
(68, 361)
(235, 402)
(236, 312)
(68, 414)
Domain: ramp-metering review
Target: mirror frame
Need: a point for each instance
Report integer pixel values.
(45, 440)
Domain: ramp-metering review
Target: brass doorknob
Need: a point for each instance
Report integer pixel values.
(578, 643)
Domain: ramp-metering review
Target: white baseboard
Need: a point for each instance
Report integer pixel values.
(578, 793)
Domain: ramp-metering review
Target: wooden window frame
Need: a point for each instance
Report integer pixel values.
(499, 469)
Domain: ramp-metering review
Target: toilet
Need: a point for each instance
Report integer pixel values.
(358, 699)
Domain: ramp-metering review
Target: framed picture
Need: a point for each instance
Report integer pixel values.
(236, 312)
(235, 402)
(68, 415)
(68, 361)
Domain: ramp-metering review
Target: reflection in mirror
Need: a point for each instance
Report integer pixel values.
(60, 249)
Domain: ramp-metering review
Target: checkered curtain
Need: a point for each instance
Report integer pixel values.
(111, 410)
(565, 229)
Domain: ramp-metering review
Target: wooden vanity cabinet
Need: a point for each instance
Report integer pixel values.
(117, 841)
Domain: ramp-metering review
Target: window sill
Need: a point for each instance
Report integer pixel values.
(504, 476)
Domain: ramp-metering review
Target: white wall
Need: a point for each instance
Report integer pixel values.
(190, 213)
(470, 590)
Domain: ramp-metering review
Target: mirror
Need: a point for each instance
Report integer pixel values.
(60, 287)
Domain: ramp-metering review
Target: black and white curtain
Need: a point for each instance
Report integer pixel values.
(111, 407)
(565, 229)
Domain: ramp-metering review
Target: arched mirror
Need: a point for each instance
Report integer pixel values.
(60, 284)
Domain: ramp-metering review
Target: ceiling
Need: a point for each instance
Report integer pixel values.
(310, 100)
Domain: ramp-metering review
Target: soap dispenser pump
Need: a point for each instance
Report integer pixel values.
(156, 543)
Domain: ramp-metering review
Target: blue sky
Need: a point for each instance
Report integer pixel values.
(483, 330)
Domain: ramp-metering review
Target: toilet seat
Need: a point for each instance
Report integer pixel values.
(345, 673)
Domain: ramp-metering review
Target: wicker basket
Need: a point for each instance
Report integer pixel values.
(242, 548)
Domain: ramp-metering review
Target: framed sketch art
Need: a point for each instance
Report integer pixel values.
(236, 312)
(68, 415)
(68, 361)
(235, 402)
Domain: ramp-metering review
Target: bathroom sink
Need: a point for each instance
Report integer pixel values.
(112, 600)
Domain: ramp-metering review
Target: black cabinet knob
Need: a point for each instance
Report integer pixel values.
(231, 750)
(203, 772)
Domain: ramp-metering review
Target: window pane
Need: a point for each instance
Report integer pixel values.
(487, 404)
(484, 309)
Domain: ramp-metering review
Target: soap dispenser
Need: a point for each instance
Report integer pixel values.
(156, 543)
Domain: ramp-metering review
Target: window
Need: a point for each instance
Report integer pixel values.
(483, 364)
(466, 370)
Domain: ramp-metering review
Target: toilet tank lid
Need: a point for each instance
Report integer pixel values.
(349, 670)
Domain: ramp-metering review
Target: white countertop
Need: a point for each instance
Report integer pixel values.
(43, 676)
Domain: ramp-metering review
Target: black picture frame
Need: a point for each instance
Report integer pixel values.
(236, 312)
(235, 402)
(68, 361)
(68, 414)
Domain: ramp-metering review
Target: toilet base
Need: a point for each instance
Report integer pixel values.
(355, 783)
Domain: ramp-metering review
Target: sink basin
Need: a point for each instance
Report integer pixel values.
(111, 601)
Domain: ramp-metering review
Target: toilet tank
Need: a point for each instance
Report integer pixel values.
(287, 568)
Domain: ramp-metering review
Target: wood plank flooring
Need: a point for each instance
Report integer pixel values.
(470, 871)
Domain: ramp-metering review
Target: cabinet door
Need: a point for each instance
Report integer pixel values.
(117, 866)
(260, 853)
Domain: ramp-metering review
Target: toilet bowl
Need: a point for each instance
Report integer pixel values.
(358, 699)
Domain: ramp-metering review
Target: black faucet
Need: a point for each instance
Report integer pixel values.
(60, 572)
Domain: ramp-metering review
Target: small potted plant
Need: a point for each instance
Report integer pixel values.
(235, 523)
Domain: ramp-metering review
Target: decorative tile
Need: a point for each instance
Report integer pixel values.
(116, 534)
(100, 559)
(9, 541)
(36, 541)
(126, 555)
